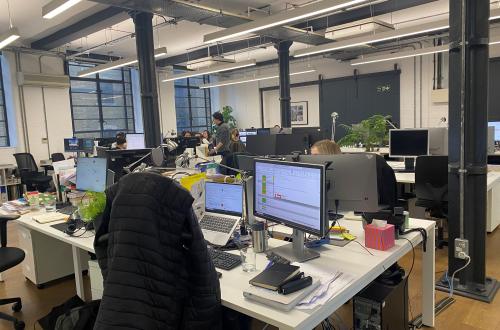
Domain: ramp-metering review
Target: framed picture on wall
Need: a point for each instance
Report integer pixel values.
(299, 112)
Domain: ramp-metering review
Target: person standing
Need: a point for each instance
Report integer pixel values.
(222, 136)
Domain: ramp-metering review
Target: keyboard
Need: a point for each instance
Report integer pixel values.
(224, 260)
(218, 224)
(68, 210)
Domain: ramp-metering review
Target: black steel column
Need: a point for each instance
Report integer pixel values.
(283, 48)
(468, 117)
(147, 73)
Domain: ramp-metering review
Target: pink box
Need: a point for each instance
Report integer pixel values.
(379, 238)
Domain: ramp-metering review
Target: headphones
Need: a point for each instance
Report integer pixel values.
(71, 228)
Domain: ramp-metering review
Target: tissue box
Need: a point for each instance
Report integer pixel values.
(379, 238)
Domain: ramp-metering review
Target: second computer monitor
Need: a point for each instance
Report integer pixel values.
(292, 194)
(91, 174)
(135, 141)
(408, 142)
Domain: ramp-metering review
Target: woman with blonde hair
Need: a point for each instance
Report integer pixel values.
(236, 145)
(325, 147)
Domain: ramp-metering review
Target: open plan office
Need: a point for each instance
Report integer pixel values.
(284, 164)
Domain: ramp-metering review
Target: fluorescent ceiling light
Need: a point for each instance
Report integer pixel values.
(370, 39)
(395, 56)
(212, 69)
(54, 8)
(384, 36)
(250, 79)
(8, 37)
(159, 52)
(281, 18)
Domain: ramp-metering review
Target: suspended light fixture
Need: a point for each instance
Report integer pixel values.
(281, 18)
(212, 69)
(399, 55)
(160, 52)
(12, 34)
(56, 7)
(250, 79)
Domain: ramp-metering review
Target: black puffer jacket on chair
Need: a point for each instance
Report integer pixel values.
(156, 268)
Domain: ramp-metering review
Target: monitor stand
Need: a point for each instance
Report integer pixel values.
(410, 164)
(296, 252)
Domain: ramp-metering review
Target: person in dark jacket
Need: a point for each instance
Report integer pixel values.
(155, 264)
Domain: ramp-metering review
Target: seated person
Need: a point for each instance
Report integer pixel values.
(325, 147)
(186, 134)
(235, 144)
(121, 141)
(205, 137)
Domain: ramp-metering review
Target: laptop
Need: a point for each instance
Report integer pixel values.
(223, 210)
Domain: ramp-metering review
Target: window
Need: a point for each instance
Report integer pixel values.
(192, 104)
(4, 128)
(101, 104)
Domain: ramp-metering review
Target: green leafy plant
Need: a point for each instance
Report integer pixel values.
(92, 206)
(228, 117)
(371, 132)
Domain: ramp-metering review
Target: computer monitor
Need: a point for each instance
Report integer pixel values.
(408, 142)
(135, 141)
(72, 145)
(294, 195)
(224, 198)
(352, 181)
(91, 174)
(87, 145)
(496, 125)
(263, 131)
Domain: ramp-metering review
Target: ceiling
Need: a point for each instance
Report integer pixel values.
(183, 36)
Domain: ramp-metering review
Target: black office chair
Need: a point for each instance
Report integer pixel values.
(9, 257)
(57, 157)
(431, 189)
(30, 176)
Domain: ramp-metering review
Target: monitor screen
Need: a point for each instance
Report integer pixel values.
(135, 141)
(91, 174)
(496, 124)
(292, 194)
(224, 198)
(263, 131)
(72, 145)
(408, 142)
(87, 145)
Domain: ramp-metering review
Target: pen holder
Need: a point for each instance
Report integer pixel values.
(379, 238)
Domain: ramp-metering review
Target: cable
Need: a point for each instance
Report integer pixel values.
(422, 232)
(363, 247)
(409, 273)
(455, 272)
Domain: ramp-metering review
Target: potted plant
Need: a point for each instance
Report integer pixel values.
(228, 117)
(92, 206)
(371, 133)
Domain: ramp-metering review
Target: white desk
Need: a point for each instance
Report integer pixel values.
(492, 187)
(352, 259)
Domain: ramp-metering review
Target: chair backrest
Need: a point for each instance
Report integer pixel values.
(431, 178)
(386, 183)
(26, 162)
(57, 157)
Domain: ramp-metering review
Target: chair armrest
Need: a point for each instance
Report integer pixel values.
(3, 227)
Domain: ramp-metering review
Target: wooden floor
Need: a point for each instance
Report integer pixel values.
(464, 314)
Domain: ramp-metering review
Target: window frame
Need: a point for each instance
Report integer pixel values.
(207, 97)
(99, 93)
(4, 106)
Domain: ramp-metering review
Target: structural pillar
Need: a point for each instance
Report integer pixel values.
(147, 73)
(468, 124)
(283, 48)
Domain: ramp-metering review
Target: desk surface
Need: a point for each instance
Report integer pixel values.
(351, 259)
(492, 178)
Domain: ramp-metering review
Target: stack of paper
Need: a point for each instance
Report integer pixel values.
(330, 284)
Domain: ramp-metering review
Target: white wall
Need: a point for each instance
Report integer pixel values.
(47, 110)
(166, 102)
(306, 93)
(416, 109)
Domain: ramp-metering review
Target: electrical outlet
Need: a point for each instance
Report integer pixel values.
(461, 248)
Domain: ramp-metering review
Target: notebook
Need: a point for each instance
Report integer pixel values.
(50, 217)
(276, 275)
(279, 301)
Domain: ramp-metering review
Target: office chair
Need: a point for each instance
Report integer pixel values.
(57, 157)
(30, 176)
(9, 257)
(431, 189)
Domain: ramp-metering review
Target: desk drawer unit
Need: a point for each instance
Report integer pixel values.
(47, 259)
